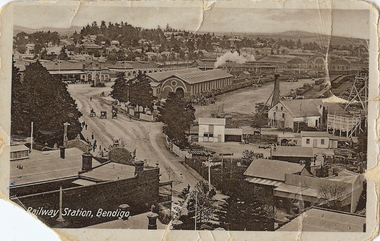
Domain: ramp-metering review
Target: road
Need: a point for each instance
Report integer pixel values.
(145, 137)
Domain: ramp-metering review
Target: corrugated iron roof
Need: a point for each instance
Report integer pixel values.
(191, 75)
(272, 169)
(263, 181)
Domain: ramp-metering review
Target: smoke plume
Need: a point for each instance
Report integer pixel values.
(234, 57)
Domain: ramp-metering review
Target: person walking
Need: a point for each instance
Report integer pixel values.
(92, 135)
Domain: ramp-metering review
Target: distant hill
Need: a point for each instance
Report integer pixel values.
(306, 37)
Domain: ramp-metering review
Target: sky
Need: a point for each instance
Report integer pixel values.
(348, 23)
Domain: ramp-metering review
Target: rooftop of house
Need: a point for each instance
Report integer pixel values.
(314, 134)
(293, 151)
(301, 107)
(47, 165)
(272, 169)
(323, 220)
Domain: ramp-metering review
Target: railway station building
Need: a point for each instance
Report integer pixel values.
(188, 82)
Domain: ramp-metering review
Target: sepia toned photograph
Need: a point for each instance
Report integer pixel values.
(188, 117)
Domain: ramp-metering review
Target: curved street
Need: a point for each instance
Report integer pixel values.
(144, 137)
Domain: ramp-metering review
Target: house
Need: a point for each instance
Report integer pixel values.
(271, 172)
(339, 192)
(318, 139)
(293, 114)
(214, 130)
(290, 113)
(317, 219)
(19, 152)
(187, 82)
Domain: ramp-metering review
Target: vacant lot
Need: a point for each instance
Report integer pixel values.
(242, 102)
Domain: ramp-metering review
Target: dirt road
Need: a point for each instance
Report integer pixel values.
(145, 137)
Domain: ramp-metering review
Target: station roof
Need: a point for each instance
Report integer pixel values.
(272, 169)
(323, 220)
(191, 75)
(47, 165)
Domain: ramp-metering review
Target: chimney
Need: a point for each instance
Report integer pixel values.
(276, 90)
(139, 167)
(62, 152)
(86, 162)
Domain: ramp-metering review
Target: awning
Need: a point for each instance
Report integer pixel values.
(263, 181)
(83, 182)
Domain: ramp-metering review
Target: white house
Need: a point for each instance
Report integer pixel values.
(214, 130)
(211, 129)
(289, 113)
(318, 139)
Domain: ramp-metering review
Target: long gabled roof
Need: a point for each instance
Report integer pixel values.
(272, 169)
(191, 75)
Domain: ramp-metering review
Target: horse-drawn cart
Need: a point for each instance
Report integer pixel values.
(103, 115)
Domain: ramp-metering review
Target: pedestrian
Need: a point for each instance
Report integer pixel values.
(188, 187)
(86, 126)
(90, 98)
(93, 148)
(92, 135)
(100, 147)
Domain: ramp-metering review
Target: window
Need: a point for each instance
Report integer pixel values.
(274, 115)
(322, 141)
(282, 108)
(283, 115)
(276, 107)
(307, 141)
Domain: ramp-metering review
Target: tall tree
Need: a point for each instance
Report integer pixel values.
(44, 100)
(119, 89)
(177, 115)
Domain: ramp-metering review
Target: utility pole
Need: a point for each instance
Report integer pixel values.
(60, 218)
(209, 173)
(31, 136)
(196, 210)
